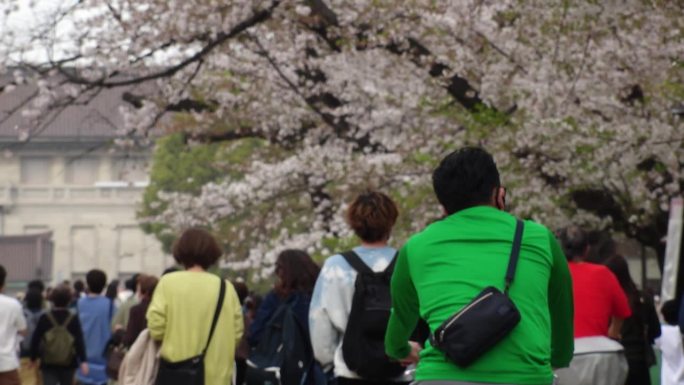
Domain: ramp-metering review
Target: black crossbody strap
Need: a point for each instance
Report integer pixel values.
(515, 253)
(217, 313)
(355, 261)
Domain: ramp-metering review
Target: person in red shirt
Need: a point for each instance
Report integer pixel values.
(601, 306)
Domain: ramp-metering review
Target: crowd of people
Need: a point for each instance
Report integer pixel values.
(427, 313)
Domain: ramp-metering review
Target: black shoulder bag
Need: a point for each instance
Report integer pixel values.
(191, 370)
(487, 319)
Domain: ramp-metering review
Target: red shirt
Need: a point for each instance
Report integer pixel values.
(598, 297)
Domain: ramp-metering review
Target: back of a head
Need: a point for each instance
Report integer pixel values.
(297, 272)
(132, 283)
(147, 285)
(242, 290)
(602, 247)
(61, 296)
(3, 276)
(574, 242)
(372, 215)
(34, 299)
(96, 280)
(112, 289)
(196, 247)
(79, 286)
(36, 284)
(670, 312)
(465, 178)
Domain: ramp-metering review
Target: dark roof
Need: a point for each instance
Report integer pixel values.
(27, 257)
(94, 117)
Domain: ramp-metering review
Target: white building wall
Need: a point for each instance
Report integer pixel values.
(93, 224)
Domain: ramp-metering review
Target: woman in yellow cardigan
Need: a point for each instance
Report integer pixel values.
(183, 307)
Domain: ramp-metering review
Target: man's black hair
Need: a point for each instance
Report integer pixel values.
(96, 280)
(132, 283)
(34, 299)
(3, 276)
(670, 312)
(36, 284)
(79, 286)
(465, 178)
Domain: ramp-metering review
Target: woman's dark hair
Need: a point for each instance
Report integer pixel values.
(79, 286)
(670, 312)
(601, 247)
(574, 242)
(147, 285)
(36, 284)
(96, 280)
(112, 289)
(372, 215)
(34, 299)
(242, 291)
(618, 265)
(61, 296)
(465, 178)
(196, 247)
(296, 272)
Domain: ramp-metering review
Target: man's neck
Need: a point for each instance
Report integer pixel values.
(374, 245)
(196, 268)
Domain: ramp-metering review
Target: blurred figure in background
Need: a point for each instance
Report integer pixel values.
(12, 325)
(58, 341)
(95, 313)
(600, 308)
(33, 309)
(127, 298)
(638, 331)
(137, 321)
(670, 344)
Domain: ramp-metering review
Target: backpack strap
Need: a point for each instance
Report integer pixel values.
(217, 313)
(68, 319)
(515, 253)
(356, 262)
(51, 318)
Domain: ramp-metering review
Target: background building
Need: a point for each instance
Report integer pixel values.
(70, 180)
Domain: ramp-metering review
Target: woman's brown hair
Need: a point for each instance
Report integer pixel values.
(372, 216)
(296, 272)
(147, 285)
(196, 247)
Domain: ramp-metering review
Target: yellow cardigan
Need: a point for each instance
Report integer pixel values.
(180, 316)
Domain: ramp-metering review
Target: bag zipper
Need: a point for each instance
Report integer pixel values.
(457, 316)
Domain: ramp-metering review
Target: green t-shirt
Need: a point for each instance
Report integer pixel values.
(442, 268)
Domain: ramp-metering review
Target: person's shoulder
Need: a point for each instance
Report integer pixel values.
(11, 303)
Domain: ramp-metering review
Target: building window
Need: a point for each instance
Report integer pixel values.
(35, 170)
(130, 169)
(82, 171)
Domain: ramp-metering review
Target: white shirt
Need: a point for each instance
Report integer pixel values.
(331, 304)
(11, 322)
(670, 344)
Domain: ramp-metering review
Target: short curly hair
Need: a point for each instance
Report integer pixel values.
(372, 215)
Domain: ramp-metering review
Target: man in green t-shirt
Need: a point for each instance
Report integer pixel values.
(442, 268)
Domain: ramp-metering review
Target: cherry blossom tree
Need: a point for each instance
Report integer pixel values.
(324, 98)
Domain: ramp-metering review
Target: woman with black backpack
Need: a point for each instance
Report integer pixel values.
(58, 341)
(282, 319)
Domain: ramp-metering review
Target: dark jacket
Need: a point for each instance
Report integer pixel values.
(640, 331)
(137, 322)
(269, 305)
(74, 328)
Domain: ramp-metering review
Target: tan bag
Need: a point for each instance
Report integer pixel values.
(141, 363)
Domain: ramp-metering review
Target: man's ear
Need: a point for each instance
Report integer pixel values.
(500, 198)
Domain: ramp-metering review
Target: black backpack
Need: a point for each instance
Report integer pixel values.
(284, 354)
(363, 347)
